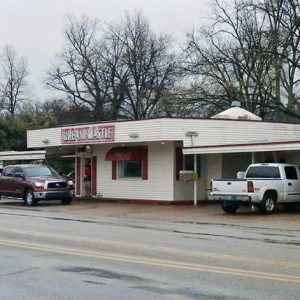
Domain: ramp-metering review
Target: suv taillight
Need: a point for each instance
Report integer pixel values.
(250, 186)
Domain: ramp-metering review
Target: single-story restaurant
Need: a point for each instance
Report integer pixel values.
(143, 160)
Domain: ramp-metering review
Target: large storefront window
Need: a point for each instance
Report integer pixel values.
(130, 169)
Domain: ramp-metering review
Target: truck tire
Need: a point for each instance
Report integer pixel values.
(29, 198)
(229, 207)
(268, 204)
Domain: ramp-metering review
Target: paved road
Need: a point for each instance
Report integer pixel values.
(93, 250)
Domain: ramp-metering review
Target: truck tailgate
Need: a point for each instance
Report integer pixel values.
(229, 186)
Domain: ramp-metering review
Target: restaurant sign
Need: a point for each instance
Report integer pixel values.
(88, 134)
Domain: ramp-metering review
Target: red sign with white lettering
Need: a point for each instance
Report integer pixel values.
(88, 134)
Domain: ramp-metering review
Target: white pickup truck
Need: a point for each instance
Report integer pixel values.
(263, 185)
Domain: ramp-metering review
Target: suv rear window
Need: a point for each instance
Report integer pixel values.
(263, 172)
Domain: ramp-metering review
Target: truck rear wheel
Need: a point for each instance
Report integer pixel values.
(29, 198)
(268, 204)
(229, 207)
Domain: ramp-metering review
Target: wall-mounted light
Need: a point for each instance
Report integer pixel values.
(162, 142)
(45, 141)
(59, 148)
(88, 148)
(133, 135)
(191, 133)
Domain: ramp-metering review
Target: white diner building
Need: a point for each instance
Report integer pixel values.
(142, 161)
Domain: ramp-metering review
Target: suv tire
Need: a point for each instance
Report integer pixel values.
(29, 198)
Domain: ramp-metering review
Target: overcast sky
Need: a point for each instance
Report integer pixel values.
(35, 27)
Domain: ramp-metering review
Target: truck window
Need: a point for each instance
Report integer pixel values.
(39, 171)
(263, 172)
(17, 172)
(290, 172)
(7, 171)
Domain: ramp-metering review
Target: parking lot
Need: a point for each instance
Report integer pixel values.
(202, 213)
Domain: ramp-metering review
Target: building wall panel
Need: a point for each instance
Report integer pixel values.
(184, 191)
(146, 130)
(209, 131)
(221, 132)
(158, 187)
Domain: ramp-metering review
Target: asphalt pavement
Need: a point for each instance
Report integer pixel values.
(96, 249)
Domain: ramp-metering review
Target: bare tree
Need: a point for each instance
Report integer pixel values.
(229, 61)
(122, 73)
(149, 67)
(77, 70)
(12, 80)
(250, 54)
(283, 33)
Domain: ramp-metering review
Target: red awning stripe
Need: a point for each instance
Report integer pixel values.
(125, 153)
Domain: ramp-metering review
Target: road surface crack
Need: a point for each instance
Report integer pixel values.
(17, 273)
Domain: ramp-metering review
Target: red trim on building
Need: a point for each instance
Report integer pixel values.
(179, 162)
(125, 153)
(153, 202)
(87, 134)
(114, 170)
(179, 118)
(128, 153)
(161, 202)
(145, 163)
(94, 176)
(78, 175)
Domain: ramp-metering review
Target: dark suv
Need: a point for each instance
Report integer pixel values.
(34, 183)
